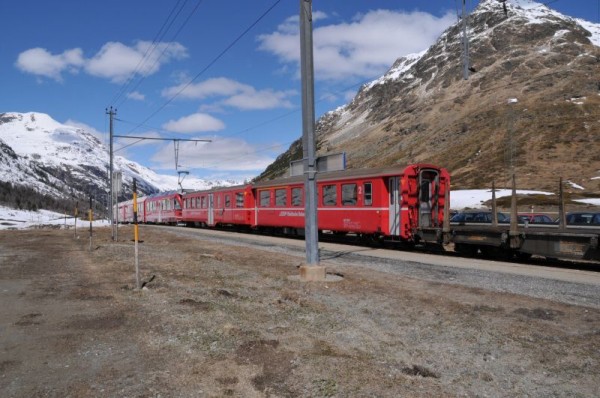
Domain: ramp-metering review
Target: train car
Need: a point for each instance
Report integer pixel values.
(220, 206)
(405, 204)
(163, 208)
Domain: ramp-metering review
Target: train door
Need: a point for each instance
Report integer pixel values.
(211, 213)
(429, 188)
(395, 199)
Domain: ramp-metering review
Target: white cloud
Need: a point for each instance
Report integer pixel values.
(236, 94)
(362, 48)
(263, 99)
(223, 153)
(115, 61)
(39, 61)
(195, 123)
(220, 86)
(135, 95)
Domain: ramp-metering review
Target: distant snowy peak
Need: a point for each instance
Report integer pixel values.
(57, 159)
(398, 70)
(535, 12)
(528, 11)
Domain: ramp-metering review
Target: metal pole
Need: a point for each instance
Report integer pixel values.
(465, 42)
(111, 114)
(308, 133)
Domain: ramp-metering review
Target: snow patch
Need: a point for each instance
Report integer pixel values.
(475, 198)
(23, 219)
(574, 185)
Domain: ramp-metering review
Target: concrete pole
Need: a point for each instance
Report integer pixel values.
(312, 270)
(111, 114)
(465, 42)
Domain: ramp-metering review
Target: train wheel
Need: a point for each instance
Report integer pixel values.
(465, 250)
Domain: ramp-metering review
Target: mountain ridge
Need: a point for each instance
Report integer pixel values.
(533, 101)
(61, 161)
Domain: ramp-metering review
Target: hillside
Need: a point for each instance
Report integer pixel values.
(533, 104)
(46, 164)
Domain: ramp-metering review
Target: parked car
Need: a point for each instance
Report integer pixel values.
(533, 218)
(478, 216)
(583, 218)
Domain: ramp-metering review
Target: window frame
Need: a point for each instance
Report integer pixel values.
(278, 197)
(367, 196)
(262, 198)
(294, 202)
(354, 198)
(326, 197)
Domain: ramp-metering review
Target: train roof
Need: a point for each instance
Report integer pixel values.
(162, 194)
(345, 174)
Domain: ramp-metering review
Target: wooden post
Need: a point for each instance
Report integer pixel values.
(90, 217)
(136, 235)
(76, 215)
(494, 206)
(562, 219)
(515, 241)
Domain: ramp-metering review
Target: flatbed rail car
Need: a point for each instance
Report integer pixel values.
(551, 241)
(575, 242)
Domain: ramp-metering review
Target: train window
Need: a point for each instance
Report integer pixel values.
(218, 200)
(280, 197)
(239, 199)
(329, 195)
(349, 194)
(203, 202)
(368, 198)
(297, 196)
(227, 201)
(176, 204)
(425, 194)
(265, 198)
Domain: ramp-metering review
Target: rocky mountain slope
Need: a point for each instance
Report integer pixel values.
(532, 105)
(62, 161)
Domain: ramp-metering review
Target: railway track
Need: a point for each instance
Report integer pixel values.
(389, 255)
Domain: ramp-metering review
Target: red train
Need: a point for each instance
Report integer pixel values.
(404, 204)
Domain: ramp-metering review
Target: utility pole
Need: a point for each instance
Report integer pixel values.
(465, 42)
(111, 114)
(311, 271)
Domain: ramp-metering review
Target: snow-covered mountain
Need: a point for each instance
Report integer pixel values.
(531, 104)
(60, 160)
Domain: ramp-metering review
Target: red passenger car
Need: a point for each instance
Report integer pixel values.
(398, 203)
(162, 208)
(125, 214)
(219, 206)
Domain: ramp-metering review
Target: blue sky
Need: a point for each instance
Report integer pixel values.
(72, 59)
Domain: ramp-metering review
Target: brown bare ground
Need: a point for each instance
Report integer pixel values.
(219, 321)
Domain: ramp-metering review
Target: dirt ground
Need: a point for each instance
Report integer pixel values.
(222, 321)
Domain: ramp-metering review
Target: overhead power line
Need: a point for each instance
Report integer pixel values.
(211, 63)
(165, 48)
(157, 38)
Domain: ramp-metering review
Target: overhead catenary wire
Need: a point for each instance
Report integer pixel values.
(165, 48)
(157, 38)
(492, 88)
(210, 64)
